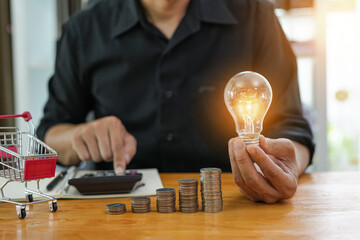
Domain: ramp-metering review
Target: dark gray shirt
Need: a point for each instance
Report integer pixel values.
(169, 93)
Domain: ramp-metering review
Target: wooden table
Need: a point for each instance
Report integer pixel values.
(326, 206)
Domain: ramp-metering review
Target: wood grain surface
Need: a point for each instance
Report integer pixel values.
(326, 206)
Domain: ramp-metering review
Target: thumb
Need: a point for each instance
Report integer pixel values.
(277, 147)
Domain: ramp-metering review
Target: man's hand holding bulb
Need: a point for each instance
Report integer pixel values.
(279, 161)
(248, 96)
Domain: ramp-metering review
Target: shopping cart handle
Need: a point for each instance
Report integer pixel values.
(26, 115)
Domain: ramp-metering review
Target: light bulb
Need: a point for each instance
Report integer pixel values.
(248, 97)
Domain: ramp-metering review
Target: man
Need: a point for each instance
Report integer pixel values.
(154, 71)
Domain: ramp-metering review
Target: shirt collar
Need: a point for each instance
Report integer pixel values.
(211, 11)
(216, 11)
(127, 18)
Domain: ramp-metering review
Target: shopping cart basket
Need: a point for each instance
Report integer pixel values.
(24, 158)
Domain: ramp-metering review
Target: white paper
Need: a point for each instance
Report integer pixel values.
(15, 190)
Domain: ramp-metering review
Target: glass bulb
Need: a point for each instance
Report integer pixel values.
(248, 97)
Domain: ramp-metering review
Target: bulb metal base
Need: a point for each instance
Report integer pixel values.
(250, 141)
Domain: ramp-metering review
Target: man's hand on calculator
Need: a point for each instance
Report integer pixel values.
(105, 139)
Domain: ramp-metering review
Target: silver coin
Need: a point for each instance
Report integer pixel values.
(116, 208)
(165, 190)
(210, 169)
(188, 181)
(188, 195)
(186, 210)
(166, 200)
(112, 205)
(140, 199)
(210, 188)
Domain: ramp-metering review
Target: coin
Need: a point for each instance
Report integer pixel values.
(188, 195)
(165, 190)
(166, 200)
(211, 193)
(141, 204)
(116, 208)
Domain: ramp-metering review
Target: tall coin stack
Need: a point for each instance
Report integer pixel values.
(166, 200)
(140, 204)
(211, 189)
(188, 195)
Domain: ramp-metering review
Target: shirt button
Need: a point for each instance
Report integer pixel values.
(168, 94)
(169, 137)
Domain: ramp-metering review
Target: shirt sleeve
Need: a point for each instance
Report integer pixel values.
(69, 95)
(275, 59)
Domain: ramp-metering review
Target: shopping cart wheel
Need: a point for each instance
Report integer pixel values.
(53, 206)
(29, 197)
(20, 210)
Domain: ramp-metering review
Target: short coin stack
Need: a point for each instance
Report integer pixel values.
(140, 204)
(211, 189)
(166, 200)
(188, 195)
(116, 208)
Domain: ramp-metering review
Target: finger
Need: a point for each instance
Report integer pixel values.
(80, 148)
(91, 144)
(130, 147)
(252, 196)
(235, 169)
(282, 148)
(272, 172)
(237, 175)
(102, 134)
(252, 178)
(246, 190)
(117, 132)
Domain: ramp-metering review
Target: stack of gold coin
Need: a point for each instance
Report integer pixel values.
(188, 195)
(166, 200)
(116, 208)
(211, 189)
(140, 204)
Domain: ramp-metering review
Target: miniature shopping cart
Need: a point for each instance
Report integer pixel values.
(24, 158)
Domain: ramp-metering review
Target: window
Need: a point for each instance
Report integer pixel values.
(343, 87)
(34, 46)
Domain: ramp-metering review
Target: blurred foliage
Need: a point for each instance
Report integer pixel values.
(343, 149)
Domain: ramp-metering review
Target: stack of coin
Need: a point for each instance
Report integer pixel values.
(116, 208)
(211, 189)
(166, 200)
(188, 195)
(140, 204)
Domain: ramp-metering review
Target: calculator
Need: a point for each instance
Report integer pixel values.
(106, 182)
